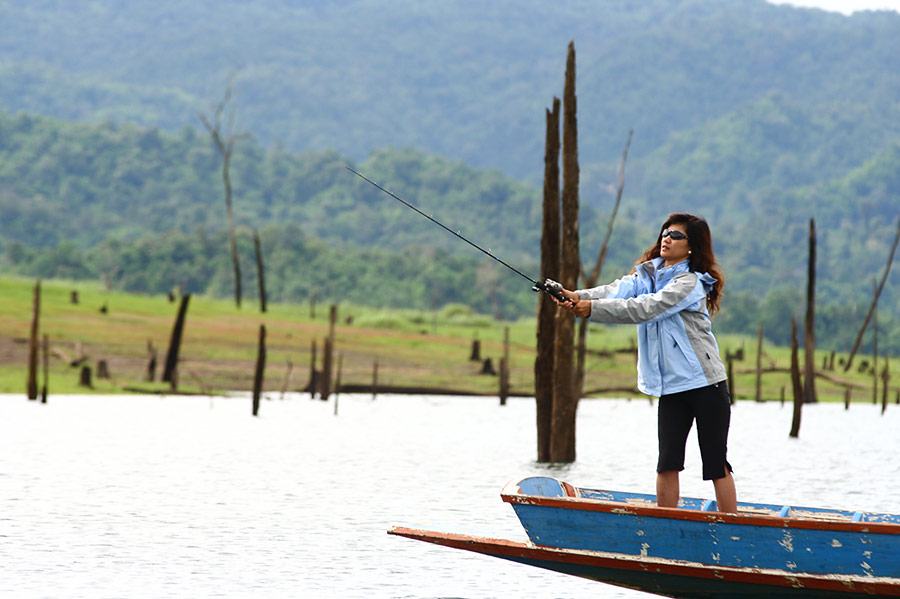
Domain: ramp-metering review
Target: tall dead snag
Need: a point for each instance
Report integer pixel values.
(809, 377)
(171, 368)
(590, 279)
(31, 384)
(260, 272)
(885, 377)
(795, 381)
(565, 400)
(546, 327)
(225, 140)
(260, 369)
(865, 324)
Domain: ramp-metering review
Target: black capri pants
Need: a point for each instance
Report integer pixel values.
(711, 407)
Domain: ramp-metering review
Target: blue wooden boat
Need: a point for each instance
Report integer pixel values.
(694, 551)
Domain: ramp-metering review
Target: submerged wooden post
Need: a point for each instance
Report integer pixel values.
(504, 368)
(170, 372)
(795, 381)
(328, 355)
(261, 274)
(759, 349)
(875, 346)
(325, 379)
(260, 369)
(337, 382)
(313, 384)
(885, 377)
(150, 376)
(31, 383)
(45, 355)
(847, 392)
(375, 379)
(729, 361)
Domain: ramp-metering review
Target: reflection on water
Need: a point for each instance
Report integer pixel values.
(193, 497)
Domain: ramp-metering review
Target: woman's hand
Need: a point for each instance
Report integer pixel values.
(579, 307)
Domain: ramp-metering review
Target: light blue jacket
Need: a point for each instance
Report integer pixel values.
(676, 348)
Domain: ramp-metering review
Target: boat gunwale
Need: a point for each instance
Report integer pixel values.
(877, 586)
(511, 494)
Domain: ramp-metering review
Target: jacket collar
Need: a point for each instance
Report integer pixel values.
(654, 267)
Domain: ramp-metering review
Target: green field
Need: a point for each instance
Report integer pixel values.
(412, 348)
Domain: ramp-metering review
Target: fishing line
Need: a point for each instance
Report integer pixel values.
(535, 285)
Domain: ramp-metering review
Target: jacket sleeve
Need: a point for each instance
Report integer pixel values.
(620, 288)
(682, 292)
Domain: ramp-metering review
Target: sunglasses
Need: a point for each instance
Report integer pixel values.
(674, 234)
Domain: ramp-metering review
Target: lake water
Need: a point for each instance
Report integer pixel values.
(108, 497)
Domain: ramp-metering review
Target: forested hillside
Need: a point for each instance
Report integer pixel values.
(143, 210)
(759, 117)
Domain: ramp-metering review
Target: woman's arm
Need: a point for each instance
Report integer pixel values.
(682, 292)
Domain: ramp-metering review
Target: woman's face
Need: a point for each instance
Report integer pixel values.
(674, 250)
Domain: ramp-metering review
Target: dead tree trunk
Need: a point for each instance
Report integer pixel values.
(325, 378)
(375, 380)
(875, 349)
(151, 362)
(504, 368)
(31, 383)
(328, 356)
(337, 382)
(862, 329)
(809, 387)
(260, 369)
(759, 349)
(170, 371)
(885, 377)
(546, 327)
(45, 358)
(565, 401)
(795, 382)
(313, 384)
(225, 140)
(260, 271)
(591, 279)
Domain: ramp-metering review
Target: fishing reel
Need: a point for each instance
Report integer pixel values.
(553, 288)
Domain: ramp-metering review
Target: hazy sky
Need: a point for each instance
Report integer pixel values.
(844, 6)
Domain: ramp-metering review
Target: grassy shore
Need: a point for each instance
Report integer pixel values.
(412, 348)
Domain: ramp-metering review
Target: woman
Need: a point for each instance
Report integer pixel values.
(670, 295)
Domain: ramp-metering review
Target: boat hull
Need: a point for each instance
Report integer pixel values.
(555, 514)
(670, 578)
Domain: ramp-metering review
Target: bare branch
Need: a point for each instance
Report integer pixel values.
(591, 280)
(865, 324)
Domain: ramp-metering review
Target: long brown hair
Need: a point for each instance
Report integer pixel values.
(701, 259)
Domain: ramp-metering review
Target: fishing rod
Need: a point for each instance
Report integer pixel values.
(548, 286)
